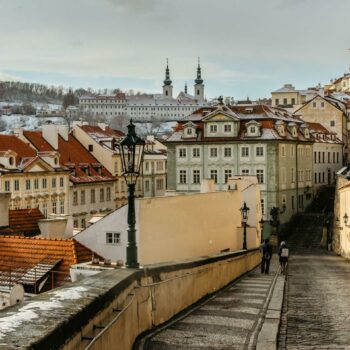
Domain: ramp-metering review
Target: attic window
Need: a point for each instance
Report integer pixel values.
(189, 131)
(281, 130)
(252, 130)
(91, 148)
(11, 161)
(294, 132)
(55, 160)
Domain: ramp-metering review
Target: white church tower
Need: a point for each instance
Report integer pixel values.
(167, 87)
(199, 86)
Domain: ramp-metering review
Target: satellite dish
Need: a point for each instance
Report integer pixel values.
(16, 294)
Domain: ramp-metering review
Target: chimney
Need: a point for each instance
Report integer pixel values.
(207, 185)
(56, 226)
(102, 126)
(50, 134)
(63, 131)
(4, 208)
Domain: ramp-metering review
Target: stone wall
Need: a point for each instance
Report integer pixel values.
(116, 306)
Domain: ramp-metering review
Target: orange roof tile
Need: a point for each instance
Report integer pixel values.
(12, 142)
(89, 129)
(25, 221)
(23, 253)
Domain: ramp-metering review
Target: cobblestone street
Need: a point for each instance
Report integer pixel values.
(317, 310)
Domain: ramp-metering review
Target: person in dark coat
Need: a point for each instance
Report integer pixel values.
(283, 254)
(266, 250)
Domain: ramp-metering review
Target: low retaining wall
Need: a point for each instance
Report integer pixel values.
(114, 307)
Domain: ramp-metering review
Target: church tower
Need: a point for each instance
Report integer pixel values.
(199, 86)
(167, 87)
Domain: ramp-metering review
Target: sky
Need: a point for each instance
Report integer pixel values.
(246, 47)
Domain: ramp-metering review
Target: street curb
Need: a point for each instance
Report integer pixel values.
(268, 336)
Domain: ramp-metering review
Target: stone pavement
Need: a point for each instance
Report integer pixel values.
(231, 319)
(316, 312)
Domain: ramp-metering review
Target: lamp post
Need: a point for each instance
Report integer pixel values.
(244, 212)
(131, 149)
(261, 222)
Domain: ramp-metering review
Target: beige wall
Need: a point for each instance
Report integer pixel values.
(344, 228)
(324, 115)
(285, 95)
(184, 227)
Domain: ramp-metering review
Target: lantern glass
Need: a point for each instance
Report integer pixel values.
(244, 212)
(131, 149)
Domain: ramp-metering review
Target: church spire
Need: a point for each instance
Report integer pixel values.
(185, 87)
(167, 80)
(199, 79)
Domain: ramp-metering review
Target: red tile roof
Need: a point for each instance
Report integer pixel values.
(108, 132)
(12, 142)
(20, 254)
(74, 156)
(25, 221)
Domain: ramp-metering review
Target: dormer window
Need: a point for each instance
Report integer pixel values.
(306, 133)
(55, 160)
(213, 128)
(294, 132)
(189, 131)
(252, 130)
(227, 128)
(11, 160)
(281, 130)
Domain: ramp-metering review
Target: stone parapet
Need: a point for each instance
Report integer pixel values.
(115, 307)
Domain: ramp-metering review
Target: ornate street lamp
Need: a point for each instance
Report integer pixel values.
(131, 150)
(244, 212)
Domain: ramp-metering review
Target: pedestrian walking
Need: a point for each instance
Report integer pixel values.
(283, 254)
(266, 250)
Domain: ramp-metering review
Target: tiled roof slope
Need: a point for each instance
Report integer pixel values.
(99, 132)
(25, 221)
(12, 142)
(83, 165)
(23, 253)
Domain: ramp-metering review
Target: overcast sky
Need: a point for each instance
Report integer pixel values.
(247, 47)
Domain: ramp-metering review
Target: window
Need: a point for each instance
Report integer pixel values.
(196, 176)
(61, 207)
(308, 175)
(315, 178)
(337, 157)
(227, 128)
(285, 101)
(214, 175)
(83, 223)
(113, 238)
(92, 196)
(53, 182)
(146, 185)
(260, 151)
(7, 186)
(75, 198)
(44, 183)
(227, 152)
(227, 174)
(314, 104)
(332, 123)
(61, 182)
(283, 175)
(82, 197)
(260, 175)
(292, 175)
(28, 184)
(102, 195)
(182, 152)
(160, 184)
(213, 152)
(108, 194)
(189, 131)
(54, 207)
(322, 104)
(283, 151)
(45, 209)
(36, 184)
(16, 185)
(159, 165)
(262, 202)
(277, 101)
(75, 223)
(213, 128)
(329, 157)
(293, 204)
(183, 176)
(300, 175)
(293, 101)
(245, 151)
(252, 129)
(245, 171)
(195, 153)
